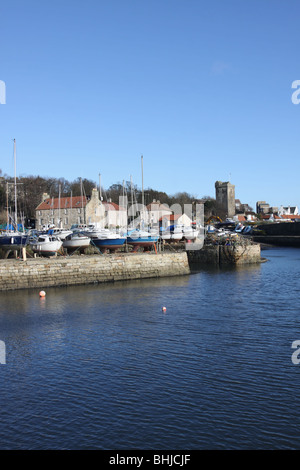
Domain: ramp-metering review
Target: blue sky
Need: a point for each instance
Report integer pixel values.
(201, 89)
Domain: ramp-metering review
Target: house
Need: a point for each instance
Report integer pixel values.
(156, 211)
(174, 219)
(68, 211)
(262, 207)
(288, 210)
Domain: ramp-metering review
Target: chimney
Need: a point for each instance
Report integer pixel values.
(94, 193)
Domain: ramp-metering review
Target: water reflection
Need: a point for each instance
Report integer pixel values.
(103, 367)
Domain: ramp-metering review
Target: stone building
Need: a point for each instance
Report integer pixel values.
(262, 207)
(156, 210)
(76, 210)
(225, 197)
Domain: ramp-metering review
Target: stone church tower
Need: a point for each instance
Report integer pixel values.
(225, 196)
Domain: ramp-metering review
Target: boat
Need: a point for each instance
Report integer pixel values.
(239, 228)
(56, 231)
(12, 238)
(92, 231)
(172, 233)
(75, 241)
(141, 238)
(210, 229)
(108, 240)
(189, 232)
(46, 245)
(79, 228)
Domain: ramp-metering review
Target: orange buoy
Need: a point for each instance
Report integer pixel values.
(164, 309)
(42, 293)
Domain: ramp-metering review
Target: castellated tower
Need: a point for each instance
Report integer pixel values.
(225, 196)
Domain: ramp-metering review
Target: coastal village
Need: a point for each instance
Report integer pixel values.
(72, 231)
(92, 209)
(72, 223)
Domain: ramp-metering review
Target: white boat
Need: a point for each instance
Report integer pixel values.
(172, 233)
(210, 229)
(46, 245)
(189, 233)
(56, 231)
(93, 231)
(75, 241)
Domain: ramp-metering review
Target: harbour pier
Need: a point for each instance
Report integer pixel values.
(92, 269)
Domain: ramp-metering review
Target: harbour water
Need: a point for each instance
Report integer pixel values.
(103, 367)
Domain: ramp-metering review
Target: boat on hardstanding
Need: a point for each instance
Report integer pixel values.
(61, 233)
(141, 238)
(189, 232)
(76, 241)
(172, 233)
(12, 238)
(46, 245)
(93, 231)
(108, 240)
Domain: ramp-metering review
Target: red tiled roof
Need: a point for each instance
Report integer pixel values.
(74, 202)
(63, 203)
(288, 216)
(112, 206)
(276, 217)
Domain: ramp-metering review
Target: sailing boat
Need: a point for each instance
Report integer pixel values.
(140, 237)
(106, 239)
(13, 239)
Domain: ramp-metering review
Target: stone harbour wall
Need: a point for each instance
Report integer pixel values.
(45, 272)
(216, 255)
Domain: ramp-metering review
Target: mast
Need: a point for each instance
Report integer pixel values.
(125, 205)
(81, 198)
(7, 217)
(82, 207)
(142, 183)
(100, 192)
(143, 213)
(59, 189)
(15, 183)
(131, 195)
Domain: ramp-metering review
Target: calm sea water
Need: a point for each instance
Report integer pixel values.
(102, 367)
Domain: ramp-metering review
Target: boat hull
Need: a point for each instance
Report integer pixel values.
(46, 248)
(108, 244)
(142, 241)
(76, 242)
(13, 242)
